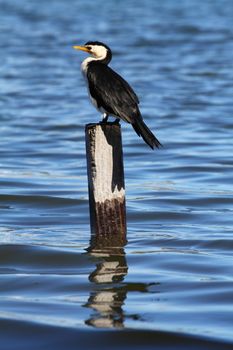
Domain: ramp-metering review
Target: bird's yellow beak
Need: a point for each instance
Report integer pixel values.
(82, 48)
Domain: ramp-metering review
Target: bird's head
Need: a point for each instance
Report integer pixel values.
(96, 49)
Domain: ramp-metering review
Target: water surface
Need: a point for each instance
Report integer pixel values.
(171, 284)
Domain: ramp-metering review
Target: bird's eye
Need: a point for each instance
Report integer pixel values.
(88, 47)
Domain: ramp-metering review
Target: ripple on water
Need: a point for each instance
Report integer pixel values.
(172, 282)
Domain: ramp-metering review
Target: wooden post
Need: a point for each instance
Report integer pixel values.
(105, 179)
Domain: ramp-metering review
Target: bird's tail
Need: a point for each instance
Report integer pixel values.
(142, 130)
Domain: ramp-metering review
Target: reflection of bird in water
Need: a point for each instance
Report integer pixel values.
(110, 93)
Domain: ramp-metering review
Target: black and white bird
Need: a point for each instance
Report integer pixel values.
(110, 93)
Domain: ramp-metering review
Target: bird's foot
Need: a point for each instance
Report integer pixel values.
(116, 121)
(105, 119)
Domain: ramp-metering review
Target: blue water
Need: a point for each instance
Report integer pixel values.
(171, 284)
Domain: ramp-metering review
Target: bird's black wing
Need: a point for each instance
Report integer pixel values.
(112, 92)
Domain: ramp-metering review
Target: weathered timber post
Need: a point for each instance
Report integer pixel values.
(105, 179)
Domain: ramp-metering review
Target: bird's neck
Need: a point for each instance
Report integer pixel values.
(105, 58)
(85, 63)
(88, 60)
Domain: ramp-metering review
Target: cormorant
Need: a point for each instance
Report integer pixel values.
(110, 93)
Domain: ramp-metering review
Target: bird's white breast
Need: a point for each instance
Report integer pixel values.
(84, 68)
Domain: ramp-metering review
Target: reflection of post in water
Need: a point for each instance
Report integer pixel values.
(108, 297)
